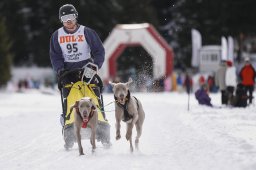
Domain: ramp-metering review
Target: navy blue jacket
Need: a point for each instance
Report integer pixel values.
(93, 40)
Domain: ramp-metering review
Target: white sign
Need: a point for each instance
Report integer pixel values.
(209, 58)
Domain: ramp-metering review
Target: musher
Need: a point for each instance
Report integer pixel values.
(71, 47)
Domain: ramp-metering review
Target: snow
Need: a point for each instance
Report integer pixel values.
(202, 138)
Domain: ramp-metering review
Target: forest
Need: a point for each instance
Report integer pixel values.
(26, 25)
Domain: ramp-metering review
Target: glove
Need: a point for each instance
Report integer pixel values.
(59, 74)
(90, 60)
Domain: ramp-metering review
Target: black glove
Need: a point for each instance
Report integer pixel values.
(59, 74)
(90, 60)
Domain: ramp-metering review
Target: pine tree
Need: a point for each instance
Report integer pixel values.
(5, 55)
(14, 14)
(212, 18)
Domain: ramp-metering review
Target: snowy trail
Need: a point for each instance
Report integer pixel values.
(173, 138)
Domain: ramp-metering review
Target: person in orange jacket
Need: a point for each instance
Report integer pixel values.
(247, 75)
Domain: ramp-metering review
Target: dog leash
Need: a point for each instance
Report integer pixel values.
(110, 103)
(101, 108)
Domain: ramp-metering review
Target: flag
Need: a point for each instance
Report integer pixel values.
(196, 45)
(230, 48)
(224, 48)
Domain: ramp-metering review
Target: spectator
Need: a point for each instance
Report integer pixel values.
(220, 81)
(201, 80)
(179, 82)
(188, 83)
(210, 82)
(202, 96)
(240, 98)
(230, 80)
(168, 83)
(247, 75)
(174, 82)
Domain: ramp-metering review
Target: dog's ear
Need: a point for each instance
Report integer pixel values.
(93, 107)
(74, 105)
(90, 99)
(129, 81)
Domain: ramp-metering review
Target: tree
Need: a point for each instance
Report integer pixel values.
(13, 12)
(5, 54)
(32, 22)
(212, 18)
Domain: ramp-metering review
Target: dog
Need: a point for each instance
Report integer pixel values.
(85, 114)
(129, 109)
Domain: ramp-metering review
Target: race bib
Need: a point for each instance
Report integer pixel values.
(74, 46)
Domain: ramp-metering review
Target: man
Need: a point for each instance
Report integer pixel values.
(247, 75)
(220, 78)
(188, 83)
(230, 80)
(71, 47)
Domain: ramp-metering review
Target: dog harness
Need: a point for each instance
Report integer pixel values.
(84, 125)
(127, 115)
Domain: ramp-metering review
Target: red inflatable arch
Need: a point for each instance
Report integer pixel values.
(143, 35)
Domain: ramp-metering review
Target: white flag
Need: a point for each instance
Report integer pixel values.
(230, 48)
(224, 48)
(196, 45)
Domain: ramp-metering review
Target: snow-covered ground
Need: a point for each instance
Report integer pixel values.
(174, 138)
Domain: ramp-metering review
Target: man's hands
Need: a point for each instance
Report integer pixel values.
(59, 74)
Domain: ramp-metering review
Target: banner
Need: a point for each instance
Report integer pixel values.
(224, 48)
(230, 48)
(196, 46)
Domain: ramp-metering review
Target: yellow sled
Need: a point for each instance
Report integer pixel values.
(91, 86)
(77, 91)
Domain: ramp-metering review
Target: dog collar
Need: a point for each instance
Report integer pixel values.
(84, 125)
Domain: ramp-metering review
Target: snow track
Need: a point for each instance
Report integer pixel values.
(173, 138)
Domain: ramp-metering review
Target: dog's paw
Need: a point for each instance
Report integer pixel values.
(137, 144)
(80, 154)
(128, 135)
(131, 149)
(118, 137)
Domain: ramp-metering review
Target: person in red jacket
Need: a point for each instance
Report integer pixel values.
(247, 75)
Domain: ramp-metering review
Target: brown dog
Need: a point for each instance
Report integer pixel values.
(85, 114)
(129, 109)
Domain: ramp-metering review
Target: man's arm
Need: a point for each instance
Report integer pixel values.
(97, 49)
(56, 57)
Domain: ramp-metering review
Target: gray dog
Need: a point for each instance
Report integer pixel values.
(129, 109)
(85, 115)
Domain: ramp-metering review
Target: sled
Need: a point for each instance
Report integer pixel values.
(91, 86)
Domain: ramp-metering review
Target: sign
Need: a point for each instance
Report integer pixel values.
(209, 58)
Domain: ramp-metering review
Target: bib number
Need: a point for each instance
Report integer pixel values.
(72, 48)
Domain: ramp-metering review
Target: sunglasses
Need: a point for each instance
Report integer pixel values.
(66, 18)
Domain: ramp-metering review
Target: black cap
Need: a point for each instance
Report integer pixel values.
(67, 9)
